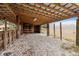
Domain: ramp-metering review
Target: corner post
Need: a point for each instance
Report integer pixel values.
(60, 31)
(17, 30)
(5, 34)
(47, 29)
(77, 32)
(54, 29)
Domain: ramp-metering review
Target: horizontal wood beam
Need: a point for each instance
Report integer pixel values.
(42, 5)
(27, 8)
(62, 17)
(63, 7)
(7, 5)
(47, 12)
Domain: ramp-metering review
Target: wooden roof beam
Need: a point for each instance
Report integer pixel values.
(47, 11)
(55, 19)
(62, 17)
(63, 7)
(11, 19)
(38, 12)
(28, 10)
(7, 5)
(52, 9)
(6, 12)
(76, 5)
(23, 11)
(41, 9)
(32, 11)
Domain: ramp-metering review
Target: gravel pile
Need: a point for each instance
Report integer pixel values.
(36, 45)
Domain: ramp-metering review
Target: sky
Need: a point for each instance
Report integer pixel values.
(69, 21)
(66, 22)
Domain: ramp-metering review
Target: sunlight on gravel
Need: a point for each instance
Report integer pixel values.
(37, 45)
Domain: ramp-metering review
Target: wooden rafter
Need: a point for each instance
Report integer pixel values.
(26, 5)
(7, 5)
(22, 10)
(64, 8)
(52, 9)
(45, 13)
(63, 17)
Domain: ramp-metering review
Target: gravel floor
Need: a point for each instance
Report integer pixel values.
(36, 45)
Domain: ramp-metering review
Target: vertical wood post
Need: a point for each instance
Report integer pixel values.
(21, 28)
(77, 32)
(10, 34)
(5, 35)
(60, 31)
(54, 29)
(18, 23)
(47, 29)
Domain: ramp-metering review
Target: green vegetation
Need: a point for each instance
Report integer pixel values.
(10, 25)
(69, 40)
(70, 48)
(44, 26)
(1, 22)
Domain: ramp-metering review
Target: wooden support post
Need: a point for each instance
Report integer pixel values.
(18, 23)
(21, 28)
(47, 29)
(10, 34)
(60, 31)
(77, 32)
(5, 35)
(54, 30)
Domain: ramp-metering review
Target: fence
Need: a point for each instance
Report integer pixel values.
(11, 37)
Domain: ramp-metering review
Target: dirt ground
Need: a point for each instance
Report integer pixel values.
(40, 45)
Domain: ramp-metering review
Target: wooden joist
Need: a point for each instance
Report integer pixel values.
(41, 11)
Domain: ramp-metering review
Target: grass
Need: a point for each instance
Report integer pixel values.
(65, 47)
(69, 40)
(76, 48)
(70, 48)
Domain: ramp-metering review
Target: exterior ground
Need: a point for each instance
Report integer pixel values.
(39, 45)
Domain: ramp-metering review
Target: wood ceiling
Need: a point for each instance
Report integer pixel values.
(44, 12)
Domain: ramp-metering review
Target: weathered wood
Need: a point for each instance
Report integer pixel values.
(1, 39)
(53, 12)
(13, 34)
(18, 23)
(44, 12)
(17, 27)
(10, 34)
(47, 29)
(5, 35)
(21, 28)
(54, 29)
(8, 38)
(60, 31)
(77, 32)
